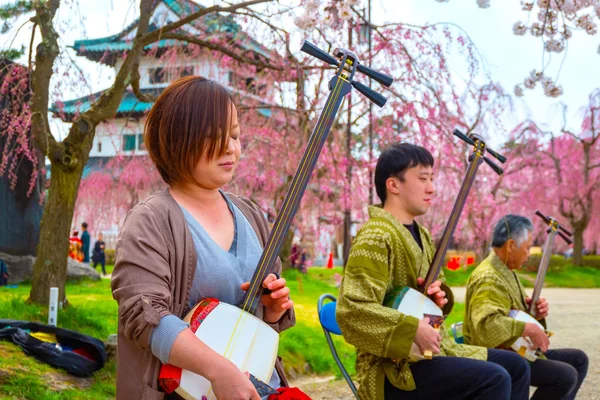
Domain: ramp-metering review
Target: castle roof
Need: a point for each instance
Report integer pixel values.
(108, 49)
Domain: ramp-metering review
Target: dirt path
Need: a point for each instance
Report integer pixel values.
(574, 318)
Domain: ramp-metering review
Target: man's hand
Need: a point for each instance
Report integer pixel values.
(278, 301)
(427, 338)
(537, 336)
(541, 308)
(435, 292)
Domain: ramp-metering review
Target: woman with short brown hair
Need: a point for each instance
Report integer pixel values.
(189, 242)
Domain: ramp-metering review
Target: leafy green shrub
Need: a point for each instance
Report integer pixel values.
(591, 261)
(558, 262)
(109, 254)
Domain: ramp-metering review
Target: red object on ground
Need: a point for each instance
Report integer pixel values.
(289, 393)
(453, 264)
(470, 260)
(82, 351)
(330, 261)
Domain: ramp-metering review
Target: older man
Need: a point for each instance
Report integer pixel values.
(494, 290)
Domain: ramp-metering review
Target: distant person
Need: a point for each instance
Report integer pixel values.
(98, 254)
(75, 246)
(295, 253)
(304, 260)
(569, 252)
(3, 273)
(85, 243)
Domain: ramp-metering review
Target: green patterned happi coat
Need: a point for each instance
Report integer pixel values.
(384, 255)
(492, 291)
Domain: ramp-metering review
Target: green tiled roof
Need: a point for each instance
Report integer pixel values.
(117, 46)
(104, 49)
(130, 105)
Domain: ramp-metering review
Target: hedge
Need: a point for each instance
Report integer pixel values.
(557, 262)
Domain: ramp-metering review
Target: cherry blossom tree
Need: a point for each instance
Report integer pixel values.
(16, 141)
(554, 22)
(105, 196)
(425, 104)
(420, 109)
(68, 157)
(563, 174)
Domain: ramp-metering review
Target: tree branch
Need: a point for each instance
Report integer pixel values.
(594, 166)
(267, 107)
(135, 85)
(46, 53)
(31, 48)
(108, 103)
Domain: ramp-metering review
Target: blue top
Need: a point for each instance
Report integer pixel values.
(213, 264)
(85, 246)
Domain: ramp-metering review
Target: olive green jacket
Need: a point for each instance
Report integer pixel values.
(493, 290)
(384, 255)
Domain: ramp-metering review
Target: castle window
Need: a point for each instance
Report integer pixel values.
(141, 145)
(169, 74)
(129, 142)
(157, 75)
(185, 71)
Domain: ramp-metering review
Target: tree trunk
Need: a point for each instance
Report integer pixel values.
(578, 245)
(68, 159)
(482, 251)
(286, 250)
(50, 269)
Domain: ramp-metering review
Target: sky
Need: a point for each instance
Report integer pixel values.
(507, 58)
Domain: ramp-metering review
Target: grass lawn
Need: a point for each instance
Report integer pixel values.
(93, 311)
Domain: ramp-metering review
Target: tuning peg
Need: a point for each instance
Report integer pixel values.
(375, 97)
(566, 239)
(568, 233)
(311, 49)
(542, 216)
(496, 168)
(496, 155)
(464, 137)
(380, 77)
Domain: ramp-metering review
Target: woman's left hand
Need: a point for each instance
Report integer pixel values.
(278, 301)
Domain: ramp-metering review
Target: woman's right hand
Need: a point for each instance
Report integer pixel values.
(229, 383)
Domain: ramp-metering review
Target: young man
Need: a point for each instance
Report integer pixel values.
(393, 250)
(494, 289)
